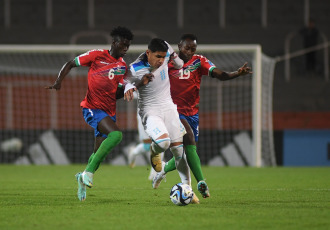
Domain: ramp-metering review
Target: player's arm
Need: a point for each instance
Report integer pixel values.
(223, 76)
(63, 72)
(120, 92)
(174, 58)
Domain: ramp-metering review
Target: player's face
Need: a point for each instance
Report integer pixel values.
(156, 59)
(120, 47)
(187, 49)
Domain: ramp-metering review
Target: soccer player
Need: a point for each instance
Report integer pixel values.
(107, 69)
(185, 85)
(158, 113)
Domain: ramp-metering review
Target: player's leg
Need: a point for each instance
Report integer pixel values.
(181, 162)
(104, 125)
(107, 125)
(97, 142)
(157, 131)
(191, 152)
(177, 131)
(189, 140)
(192, 124)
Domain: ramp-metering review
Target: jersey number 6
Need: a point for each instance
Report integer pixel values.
(111, 74)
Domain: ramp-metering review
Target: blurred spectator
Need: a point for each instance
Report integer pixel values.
(310, 36)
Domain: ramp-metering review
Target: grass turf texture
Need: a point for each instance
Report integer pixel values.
(44, 197)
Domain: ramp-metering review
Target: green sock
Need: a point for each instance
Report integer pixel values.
(170, 165)
(105, 148)
(194, 162)
(91, 158)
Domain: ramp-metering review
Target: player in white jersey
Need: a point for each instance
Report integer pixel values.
(158, 112)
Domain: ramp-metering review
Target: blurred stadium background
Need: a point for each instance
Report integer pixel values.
(35, 130)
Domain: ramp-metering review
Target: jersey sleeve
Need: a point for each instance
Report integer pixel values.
(138, 70)
(206, 66)
(87, 58)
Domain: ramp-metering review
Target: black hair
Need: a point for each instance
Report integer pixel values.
(157, 44)
(188, 36)
(121, 32)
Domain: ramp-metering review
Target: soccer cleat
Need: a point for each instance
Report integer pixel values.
(131, 157)
(158, 177)
(156, 161)
(81, 188)
(203, 189)
(87, 178)
(195, 199)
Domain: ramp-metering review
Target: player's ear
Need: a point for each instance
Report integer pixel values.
(148, 52)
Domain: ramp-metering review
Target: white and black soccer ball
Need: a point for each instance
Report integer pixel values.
(181, 194)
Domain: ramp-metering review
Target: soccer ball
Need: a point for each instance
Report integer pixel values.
(181, 194)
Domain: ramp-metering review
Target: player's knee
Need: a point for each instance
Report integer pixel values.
(161, 145)
(177, 151)
(116, 137)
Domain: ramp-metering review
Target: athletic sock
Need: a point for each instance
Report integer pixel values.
(194, 162)
(170, 165)
(91, 158)
(105, 148)
(181, 164)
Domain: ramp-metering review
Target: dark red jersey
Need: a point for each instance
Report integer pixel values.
(186, 82)
(105, 75)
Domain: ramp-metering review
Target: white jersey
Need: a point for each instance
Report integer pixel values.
(158, 113)
(156, 94)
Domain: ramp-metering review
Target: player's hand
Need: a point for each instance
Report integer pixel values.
(56, 86)
(146, 79)
(173, 56)
(244, 70)
(129, 94)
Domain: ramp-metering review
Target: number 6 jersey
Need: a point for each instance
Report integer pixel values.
(105, 75)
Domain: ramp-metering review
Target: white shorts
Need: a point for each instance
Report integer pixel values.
(142, 134)
(157, 123)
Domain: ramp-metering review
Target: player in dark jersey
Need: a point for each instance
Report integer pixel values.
(185, 86)
(107, 69)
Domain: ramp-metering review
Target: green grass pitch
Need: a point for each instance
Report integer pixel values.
(44, 197)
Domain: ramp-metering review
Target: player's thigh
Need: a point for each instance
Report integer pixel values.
(107, 125)
(155, 127)
(174, 126)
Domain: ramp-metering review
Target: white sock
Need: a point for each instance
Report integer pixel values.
(181, 164)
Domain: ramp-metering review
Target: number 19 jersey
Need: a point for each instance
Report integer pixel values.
(186, 82)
